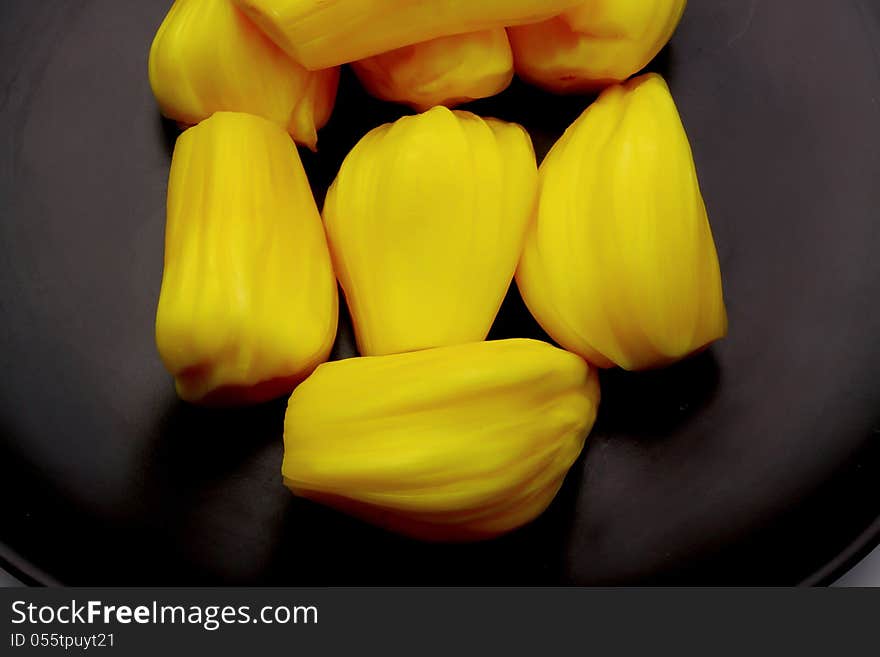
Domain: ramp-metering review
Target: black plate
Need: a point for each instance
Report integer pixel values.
(757, 462)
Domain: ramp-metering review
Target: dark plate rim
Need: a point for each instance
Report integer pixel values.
(31, 575)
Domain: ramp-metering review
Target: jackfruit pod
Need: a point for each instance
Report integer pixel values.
(323, 33)
(209, 57)
(453, 444)
(597, 43)
(426, 221)
(620, 265)
(444, 71)
(248, 305)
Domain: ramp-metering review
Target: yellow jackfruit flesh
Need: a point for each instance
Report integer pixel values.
(444, 71)
(620, 265)
(451, 444)
(597, 43)
(323, 33)
(426, 221)
(209, 57)
(248, 305)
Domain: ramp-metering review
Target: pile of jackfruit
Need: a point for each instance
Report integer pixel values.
(433, 432)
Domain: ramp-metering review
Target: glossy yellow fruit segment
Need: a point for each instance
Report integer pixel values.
(451, 444)
(209, 57)
(248, 305)
(597, 43)
(426, 221)
(323, 33)
(620, 265)
(444, 71)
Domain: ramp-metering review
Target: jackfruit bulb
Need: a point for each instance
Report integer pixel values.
(426, 222)
(620, 264)
(209, 57)
(248, 304)
(596, 43)
(452, 444)
(323, 33)
(444, 71)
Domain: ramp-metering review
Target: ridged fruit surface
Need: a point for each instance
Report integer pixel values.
(444, 71)
(597, 43)
(620, 264)
(426, 222)
(248, 305)
(453, 444)
(209, 57)
(323, 33)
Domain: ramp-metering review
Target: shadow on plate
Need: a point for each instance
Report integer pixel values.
(658, 402)
(202, 445)
(168, 131)
(318, 546)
